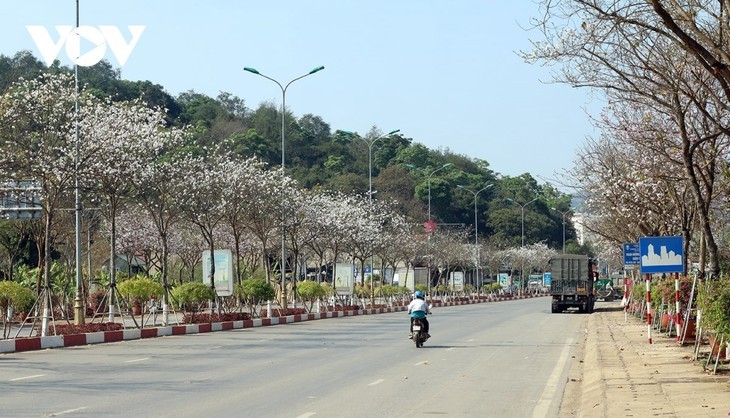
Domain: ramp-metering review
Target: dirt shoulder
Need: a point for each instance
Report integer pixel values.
(616, 373)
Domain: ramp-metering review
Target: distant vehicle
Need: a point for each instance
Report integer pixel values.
(607, 290)
(572, 283)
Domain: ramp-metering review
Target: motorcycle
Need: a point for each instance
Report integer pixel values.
(419, 336)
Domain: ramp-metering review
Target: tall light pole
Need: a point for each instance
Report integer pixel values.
(476, 228)
(447, 165)
(522, 207)
(283, 88)
(79, 299)
(562, 213)
(370, 143)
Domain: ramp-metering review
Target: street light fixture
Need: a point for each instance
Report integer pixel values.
(283, 88)
(522, 207)
(476, 227)
(563, 213)
(370, 143)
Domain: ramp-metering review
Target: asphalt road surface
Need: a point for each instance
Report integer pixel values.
(505, 359)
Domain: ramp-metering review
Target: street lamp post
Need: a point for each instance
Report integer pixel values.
(562, 213)
(283, 88)
(522, 208)
(370, 143)
(79, 299)
(476, 229)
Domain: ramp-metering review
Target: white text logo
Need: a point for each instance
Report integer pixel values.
(100, 37)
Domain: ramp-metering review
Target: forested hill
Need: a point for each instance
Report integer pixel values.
(318, 156)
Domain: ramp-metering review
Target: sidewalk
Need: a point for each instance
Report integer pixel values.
(617, 373)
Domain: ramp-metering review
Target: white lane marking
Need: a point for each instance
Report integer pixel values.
(450, 348)
(215, 347)
(470, 341)
(26, 377)
(421, 362)
(307, 414)
(541, 409)
(136, 360)
(68, 411)
(377, 382)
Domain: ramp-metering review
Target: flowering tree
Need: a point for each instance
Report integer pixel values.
(331, 211)
(37, 121)
(665, 57)
(159, 177)
(241, 189)
(121, 133)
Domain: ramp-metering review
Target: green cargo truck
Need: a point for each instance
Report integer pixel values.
(572, 283)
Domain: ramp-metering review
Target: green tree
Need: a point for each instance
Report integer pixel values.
(310, 292)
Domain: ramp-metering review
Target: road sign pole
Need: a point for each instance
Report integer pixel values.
(648, 306)
(676, 302)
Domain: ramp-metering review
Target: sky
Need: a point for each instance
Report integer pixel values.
(446, 73)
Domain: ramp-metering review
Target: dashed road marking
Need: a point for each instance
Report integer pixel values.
(26, 377)
(136, 360)
(307, 414)
(377, 382)
(68, 411)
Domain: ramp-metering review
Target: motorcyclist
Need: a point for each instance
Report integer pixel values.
(418, 308)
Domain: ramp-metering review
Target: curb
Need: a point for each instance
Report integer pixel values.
(72, 340)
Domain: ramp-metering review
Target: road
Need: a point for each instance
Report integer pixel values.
(494, 359)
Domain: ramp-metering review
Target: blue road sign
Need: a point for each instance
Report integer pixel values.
(661, 255)
(632, 257)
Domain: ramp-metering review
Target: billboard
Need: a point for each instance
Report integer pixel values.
(223, 278)
(344, 279)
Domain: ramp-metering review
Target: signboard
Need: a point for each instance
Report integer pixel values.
(456, 281)
(661, 255)
(547, 278)
(223, 277)
(504, 279)
(632, 257)
(344, 283)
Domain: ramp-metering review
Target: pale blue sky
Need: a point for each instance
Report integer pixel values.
(446, 73)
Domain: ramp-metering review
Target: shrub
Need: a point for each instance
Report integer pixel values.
(203, 318)
(141, 289)
(189, 296)
(70, 329)
(16, 295)
(714, 302)
(96, 298)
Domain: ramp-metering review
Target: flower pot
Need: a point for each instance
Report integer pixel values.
(714, 341)
(691, 326)
(136, 310)
(665, 320)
